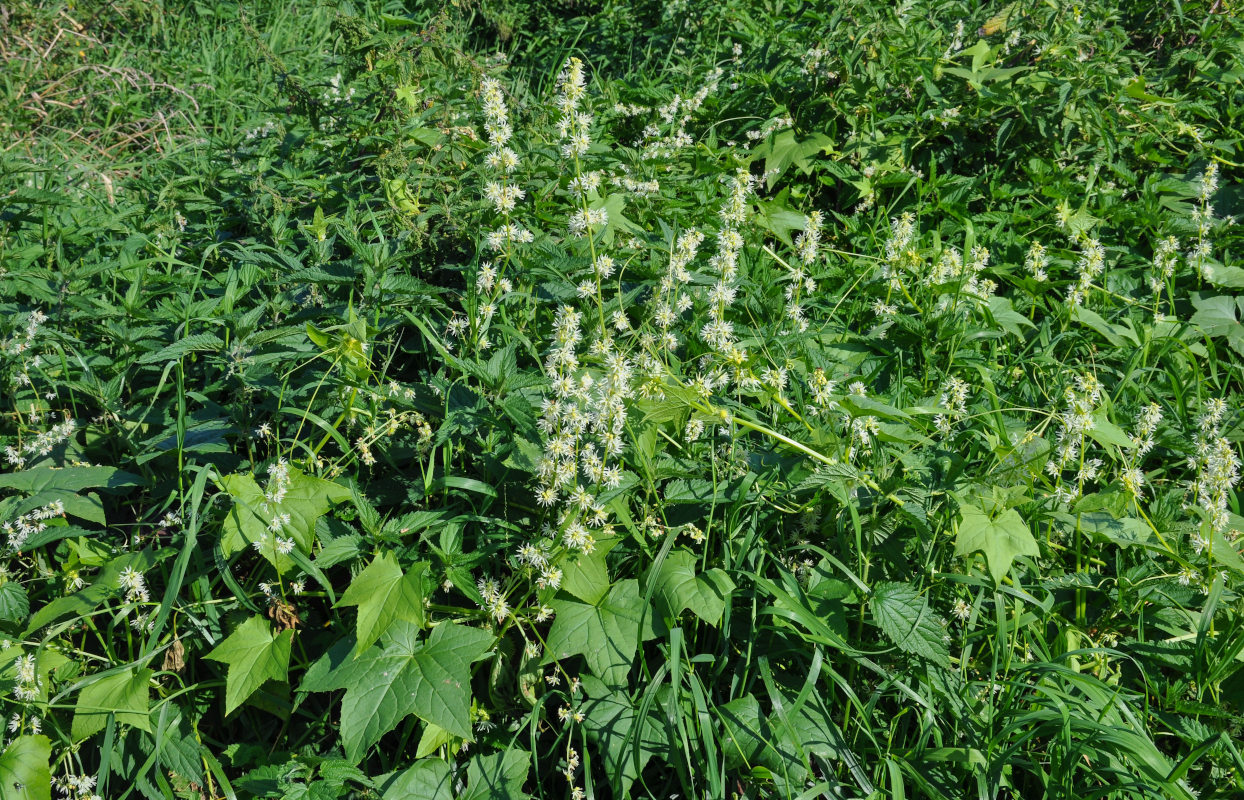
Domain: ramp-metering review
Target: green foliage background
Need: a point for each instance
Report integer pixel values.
(940, 514)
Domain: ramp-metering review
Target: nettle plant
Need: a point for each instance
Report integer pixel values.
(693, 483)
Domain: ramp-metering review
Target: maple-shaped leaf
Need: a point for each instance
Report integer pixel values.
(607, 632)
(430, 679)
(1000, 539)
(253, 518)
(782, 150)
(625, 738)
(497, 776)
(678, 586)
(124, 693)
(254, 657)
(384, 595)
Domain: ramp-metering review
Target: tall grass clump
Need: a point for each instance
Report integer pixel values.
(755, 399)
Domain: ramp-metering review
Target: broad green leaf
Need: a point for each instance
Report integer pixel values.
(24, 771)
(306, 499)
(750, 740)
(177, 744)
(1218, 317)
(69, 479)
(678, 586)
(497, 776)
(343, 548)
(1107, 434)
(1124, 532)
(430, 679)
(586, 575)
(815, 729)
(613, 205)
(106, 585)
(87, 507)
(337, 772)
(779, 219)
(1080, 222)
(195, 343)
(782, 150)
(904, 616)
(433, 738)
(1224, 277)
(980, 53)
(14, 602)
(428, 779)
(607, 633)
(862, 405)
(318, 790)
(1225, 552)
(1000, 539)
(1136, 90)
(254, 656)
(383, 595)
(1007, 317)
(124, 694)
(624, 742)
(1117, 335)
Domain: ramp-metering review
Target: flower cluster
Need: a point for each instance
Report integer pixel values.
(76, 787)
(26, 525)
(806, 249)
(583, 423)
(670, 302)
(1147, 422)
(1090, 265)
(675, 116)
(135, 586)
(1165, 259)
(954, 400)
(900, 254)
(41, 445)
(860, 431)
(1203, 217)
(574, 126)
(278, 482)
(17, 724)
(28, 682)
(494, 601)
(25, 340)
(1071, 447)
(1037, 261)
(718, 332)
(814, 63)
(497, 126)
(1217, 469)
